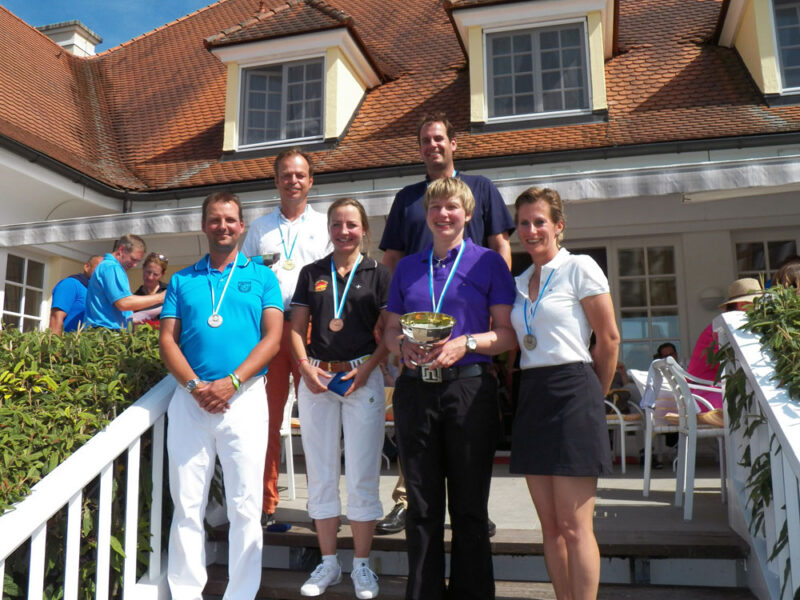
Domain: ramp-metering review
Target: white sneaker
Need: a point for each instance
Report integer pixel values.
(365, 582)
(321, 577)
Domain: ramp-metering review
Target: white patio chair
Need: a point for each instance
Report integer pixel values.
(621, 423)
(286, 435)
(689, 430)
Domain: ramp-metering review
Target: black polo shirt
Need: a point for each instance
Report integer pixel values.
(367, 296)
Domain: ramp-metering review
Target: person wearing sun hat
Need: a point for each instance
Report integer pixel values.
(741, 293)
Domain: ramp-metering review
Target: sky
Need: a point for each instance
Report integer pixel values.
(115, 21)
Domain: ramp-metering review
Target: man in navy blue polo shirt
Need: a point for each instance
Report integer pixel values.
(69, 299)
(407, 233)
(220, 325)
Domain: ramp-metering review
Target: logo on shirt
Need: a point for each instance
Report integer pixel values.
(244, 286)
(320, 285)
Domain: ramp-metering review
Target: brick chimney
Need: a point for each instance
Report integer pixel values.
(73, 36)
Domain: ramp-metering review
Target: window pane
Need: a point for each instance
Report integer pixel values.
(295, 73)
(790, 57)
(662, 292)
(314, 90)
(636, 356)
(779, 252)
(551, 60)
(10, 322)
(551, 80)
(664, 324)
(552, 101)
(750, 257)
(257, 83)
(257, 101)
(789, 36)
(791, 78)
(523, 63)
(661, 260)
(503, 86)
(30, 325)
(293, 130)
(274, 102)
(572, 58)
(14, 268)
(573, 100)
(501, 44)
(786, 16)
(275, 84)
(571, 37)
(633, 293)
(548, 40)
(294, 112)
(572, 78)
(522, 43)
(631, 261)
(314, 70)
(503, 107)
(33, 302)
(634, 324)
(525, 105)
(314, 109)
(502, 65)
(13, 298)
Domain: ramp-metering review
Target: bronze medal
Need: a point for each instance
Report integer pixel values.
(336, 325)
(529, 341)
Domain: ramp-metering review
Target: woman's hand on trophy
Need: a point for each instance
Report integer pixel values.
(412, 353)
(445, 353)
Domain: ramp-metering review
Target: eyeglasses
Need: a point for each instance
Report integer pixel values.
(158, 256)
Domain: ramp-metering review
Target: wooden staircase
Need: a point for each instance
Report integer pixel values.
(636, 551)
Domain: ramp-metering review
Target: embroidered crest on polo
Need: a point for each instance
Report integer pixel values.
(244, 286)
(215, 320)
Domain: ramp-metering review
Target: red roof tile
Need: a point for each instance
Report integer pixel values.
(148, 115)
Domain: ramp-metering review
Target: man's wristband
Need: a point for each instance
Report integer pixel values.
(301, 361)
(235, 381)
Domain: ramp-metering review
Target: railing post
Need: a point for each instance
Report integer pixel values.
(131, 519)
(790, 485)
(104, 533)
(156, 507)
(73, 547)
(36, 573)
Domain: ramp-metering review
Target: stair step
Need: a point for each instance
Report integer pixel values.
(528, 542)
(279, 584)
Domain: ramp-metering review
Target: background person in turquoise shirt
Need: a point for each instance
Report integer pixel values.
(109, 301)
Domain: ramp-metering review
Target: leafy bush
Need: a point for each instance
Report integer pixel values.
(55, 394)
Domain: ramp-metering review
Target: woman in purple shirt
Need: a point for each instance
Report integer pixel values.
(446, 414)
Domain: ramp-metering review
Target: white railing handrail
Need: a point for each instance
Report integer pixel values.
(55, 490)
(782, 413)
(774, 426)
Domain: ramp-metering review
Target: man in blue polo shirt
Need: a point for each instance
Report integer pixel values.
(406, 233)
(109, 301)
(69, 299)
(220, 325)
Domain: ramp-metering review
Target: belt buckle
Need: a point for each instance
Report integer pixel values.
(429, 375)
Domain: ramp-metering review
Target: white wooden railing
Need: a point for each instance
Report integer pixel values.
(64, 487)
(780, 436)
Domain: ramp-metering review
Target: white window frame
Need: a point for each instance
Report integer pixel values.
(489, 92)
(44, 304)
(779, 58)
(763, 236)
(242, 108)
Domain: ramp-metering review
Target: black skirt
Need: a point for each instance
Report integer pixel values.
(560, 423)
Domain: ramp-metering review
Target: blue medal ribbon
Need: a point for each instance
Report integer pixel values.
(339, 306)
(287, 253)
(535, 306)
(438, 305)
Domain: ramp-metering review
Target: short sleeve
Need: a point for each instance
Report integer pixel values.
(589, 277)
(392, 238)
(301, 292)
(272, 297)
(64, 294)
(170, 308)
(114, 283)
(383, 284)
(396, 302)
(497, 219)
(502, 289)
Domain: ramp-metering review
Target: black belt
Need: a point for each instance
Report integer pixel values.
(447, 373)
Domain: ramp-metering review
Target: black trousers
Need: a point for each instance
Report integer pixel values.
(446, 436)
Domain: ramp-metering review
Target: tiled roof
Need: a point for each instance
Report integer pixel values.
(291, 18)
(148, 115)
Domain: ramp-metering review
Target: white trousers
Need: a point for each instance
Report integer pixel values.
(361, 416)
(194, 439)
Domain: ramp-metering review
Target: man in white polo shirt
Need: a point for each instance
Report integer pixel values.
(291, 236)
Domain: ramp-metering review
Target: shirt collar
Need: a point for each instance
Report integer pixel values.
(202, 264)
(524, 278)
(301, 218)
(451, 254)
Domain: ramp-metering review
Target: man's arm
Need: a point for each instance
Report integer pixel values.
(500, 243)
(134, 302)
(169, 347)
(57, 320)
(392, 257)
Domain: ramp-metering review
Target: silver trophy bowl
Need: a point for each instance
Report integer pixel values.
(426, 328)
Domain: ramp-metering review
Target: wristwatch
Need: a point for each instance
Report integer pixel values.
(472, 343)
(191, 385)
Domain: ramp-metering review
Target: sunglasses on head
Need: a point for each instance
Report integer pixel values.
(158, 256)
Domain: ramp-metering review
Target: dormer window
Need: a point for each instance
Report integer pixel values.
(537, 70)
(787, 26)
(282, 102)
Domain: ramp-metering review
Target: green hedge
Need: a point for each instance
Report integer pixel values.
(57, 392)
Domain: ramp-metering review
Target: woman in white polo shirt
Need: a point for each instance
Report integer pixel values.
(560, 440)
(341, 391)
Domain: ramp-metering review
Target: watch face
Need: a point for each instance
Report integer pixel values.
(472, 344)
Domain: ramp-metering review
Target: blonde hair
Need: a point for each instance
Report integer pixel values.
(450, 187)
